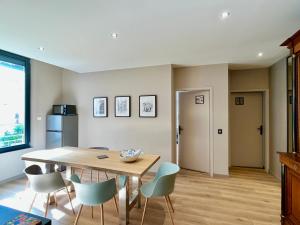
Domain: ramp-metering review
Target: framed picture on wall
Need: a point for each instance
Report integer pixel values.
(148, 106)
(122, 106)
(100, 107)
(199, 99)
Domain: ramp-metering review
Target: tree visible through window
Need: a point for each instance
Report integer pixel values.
(14, 102)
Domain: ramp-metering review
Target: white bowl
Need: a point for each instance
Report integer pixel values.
(130, 155)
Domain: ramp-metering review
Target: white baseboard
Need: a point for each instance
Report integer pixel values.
(12, 178)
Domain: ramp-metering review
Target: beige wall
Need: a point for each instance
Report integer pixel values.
(252, 79)
(46, 90)
(52, 85)
(153, 135)
(215, 77)
(46, 83)
(278, 114)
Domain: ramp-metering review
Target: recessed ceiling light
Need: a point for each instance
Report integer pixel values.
(225, 15)
(41, 48)
(114, 35)
(260, 54)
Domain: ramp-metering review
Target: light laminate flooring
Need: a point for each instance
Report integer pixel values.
(246, 197)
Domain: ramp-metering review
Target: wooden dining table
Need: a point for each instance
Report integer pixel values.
(73, 157)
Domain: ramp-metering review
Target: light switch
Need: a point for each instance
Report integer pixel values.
(39, 118)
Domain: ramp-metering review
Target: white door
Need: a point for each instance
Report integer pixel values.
(246, 136)
(194, 134)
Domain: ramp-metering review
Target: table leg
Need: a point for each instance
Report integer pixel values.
(69, 173)
(52, 199)
(124, 204)
(50, 168)
(136, 185)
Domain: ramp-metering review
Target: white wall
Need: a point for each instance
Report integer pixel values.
(153, 135)
(46, 84)
(216, 77)
(278, 114)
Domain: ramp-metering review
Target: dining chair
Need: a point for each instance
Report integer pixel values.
(122, 179)
(161, 186)
(45, 183)
(98, 178)
(34, 169)
(94, 194)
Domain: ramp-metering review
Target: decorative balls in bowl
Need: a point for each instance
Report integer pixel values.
(130, 155)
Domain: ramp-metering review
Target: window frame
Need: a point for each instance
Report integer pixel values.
(23, 61)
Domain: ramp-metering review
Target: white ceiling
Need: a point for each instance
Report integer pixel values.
(76, 34)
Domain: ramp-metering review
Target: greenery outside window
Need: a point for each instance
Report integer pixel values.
(14, 102)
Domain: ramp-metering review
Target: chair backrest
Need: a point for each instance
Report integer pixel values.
(164, 180)
(100, 148)
(44, 183)
(95, 193)
(33, 170)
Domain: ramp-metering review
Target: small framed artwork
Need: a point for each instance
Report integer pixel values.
(122, 106)
(148, 106)
(239, 100)
(199, 99)
(100, 107)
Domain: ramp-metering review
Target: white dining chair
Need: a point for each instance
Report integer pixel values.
(45, 183)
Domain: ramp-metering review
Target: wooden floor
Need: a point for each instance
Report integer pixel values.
(247, 197)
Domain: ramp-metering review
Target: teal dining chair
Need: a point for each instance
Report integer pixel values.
(45, 183)
(94, 194)
(161, 186)
(98, 174)
(122, 178)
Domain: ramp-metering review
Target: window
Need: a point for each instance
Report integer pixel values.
(14, 102)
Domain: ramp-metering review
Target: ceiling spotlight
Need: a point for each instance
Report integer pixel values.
(225, 15)
(41, 48)
(114, 35)
(260, 54)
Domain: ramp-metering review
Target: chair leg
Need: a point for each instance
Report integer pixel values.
(91, 176)
(47, 204)
(31, 205)
(92, 211)
(98, 176)
(102, 214)
(107, 178)
(116, 204)
(144, 211)
(78, 215)
(55, 199)
(70, 200)
(171, 203)
(169, 209)
(81, 174)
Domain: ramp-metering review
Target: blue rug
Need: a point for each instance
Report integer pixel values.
(7, 214)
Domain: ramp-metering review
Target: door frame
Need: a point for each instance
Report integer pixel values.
(211, 119)
(266, 125)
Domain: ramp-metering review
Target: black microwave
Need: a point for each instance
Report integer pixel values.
(64, 109)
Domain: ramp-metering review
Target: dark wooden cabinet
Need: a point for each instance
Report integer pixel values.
(290, 210)
(293, 43)
(290, 161)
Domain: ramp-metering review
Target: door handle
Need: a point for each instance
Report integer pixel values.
(261, 129)
(180, 129)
